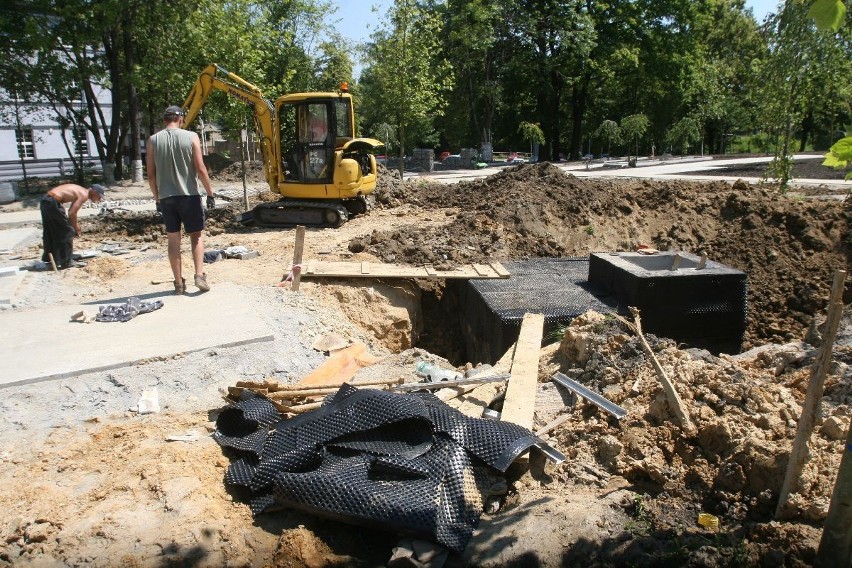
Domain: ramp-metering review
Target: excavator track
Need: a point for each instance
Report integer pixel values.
(289, 212)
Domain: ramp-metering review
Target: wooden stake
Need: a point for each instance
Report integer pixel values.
(337, 385)
(671, 394)
(798, 454)
(297, 257)
(300, 408)
(52, 262)
(553, 423)
(281, 395)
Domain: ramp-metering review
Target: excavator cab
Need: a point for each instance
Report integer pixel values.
(308, 141)
(318, 146)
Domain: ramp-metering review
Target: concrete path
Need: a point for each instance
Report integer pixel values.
(43, 344)
(647, 169)
(13, 239)
(33, 215)
(11, 278)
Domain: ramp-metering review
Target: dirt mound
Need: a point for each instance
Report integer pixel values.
(745, 411)
(788, 247)
(223, 169)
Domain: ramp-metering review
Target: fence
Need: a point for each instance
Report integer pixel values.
(61, 167)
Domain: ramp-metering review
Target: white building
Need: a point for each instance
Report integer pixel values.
(30, 132)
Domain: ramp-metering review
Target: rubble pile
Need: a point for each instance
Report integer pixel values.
(745, 409)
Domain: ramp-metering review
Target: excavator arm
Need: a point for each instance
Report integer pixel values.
(217, 77)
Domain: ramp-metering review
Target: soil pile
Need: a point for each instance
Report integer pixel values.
(227, 170)
(789, 247)
(745, 411)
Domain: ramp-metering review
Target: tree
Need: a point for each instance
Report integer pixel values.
(683, 134)
(634, 127)
(532, 133)
(609, 131)
(550, 41)
(408, 87)
(791, 70)
(471, 29)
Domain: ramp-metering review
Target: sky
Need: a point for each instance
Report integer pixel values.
(357, 19)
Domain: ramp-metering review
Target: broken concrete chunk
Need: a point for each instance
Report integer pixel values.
(83, 317)
(329, 342)
(149, 402)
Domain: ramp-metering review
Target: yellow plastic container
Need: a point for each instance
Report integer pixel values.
(709, 521)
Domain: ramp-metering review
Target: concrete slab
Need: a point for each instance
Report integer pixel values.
(43, 344)
(13, 239)
(10, 282)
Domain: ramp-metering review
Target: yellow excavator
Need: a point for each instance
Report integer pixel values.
(311, 156)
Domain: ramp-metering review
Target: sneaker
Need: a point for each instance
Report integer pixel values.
(201, 282)
(180, 287)
(72, 264)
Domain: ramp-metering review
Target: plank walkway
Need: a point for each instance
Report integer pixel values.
(317, 269)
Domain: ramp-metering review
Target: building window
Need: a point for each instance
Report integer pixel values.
(24, 139)
(81, 141)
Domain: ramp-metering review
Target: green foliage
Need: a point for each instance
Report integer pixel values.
(408, 88)
(531, 132)
(840, 155)
(609, 131)
(683, 134)
(780, 168)
(641, 524)
(828, 14)
(634, 127)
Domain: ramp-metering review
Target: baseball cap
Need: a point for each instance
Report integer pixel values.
(173, 110)
(98, 188)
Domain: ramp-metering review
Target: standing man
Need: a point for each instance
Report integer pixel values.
(60, 229)
(174, 161)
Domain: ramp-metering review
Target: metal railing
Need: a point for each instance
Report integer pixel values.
(59, 167)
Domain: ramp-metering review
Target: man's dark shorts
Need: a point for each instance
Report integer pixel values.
(183, 208)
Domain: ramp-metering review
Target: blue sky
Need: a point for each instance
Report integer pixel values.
(357, 19)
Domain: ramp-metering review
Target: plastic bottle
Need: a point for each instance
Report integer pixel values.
(433, 373)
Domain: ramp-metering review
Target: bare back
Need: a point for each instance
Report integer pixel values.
(69, 193)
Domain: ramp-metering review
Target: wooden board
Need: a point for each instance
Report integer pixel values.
(519, 404)
(340, 367)
(473, 401)
(317, 269)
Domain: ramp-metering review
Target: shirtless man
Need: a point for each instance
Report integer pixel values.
(60, 229)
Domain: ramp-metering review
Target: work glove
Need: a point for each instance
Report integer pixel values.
(159, 207)
(211, 203)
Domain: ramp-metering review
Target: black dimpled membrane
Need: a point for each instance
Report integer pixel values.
(406, 463)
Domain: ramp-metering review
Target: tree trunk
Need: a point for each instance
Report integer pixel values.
(807, 128)
(135, 152)
(579, 96)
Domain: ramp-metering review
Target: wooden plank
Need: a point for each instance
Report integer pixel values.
(482, 270)
(472, 401)
(340, 367)
(500, 270)
(519, 405)
(318, 269)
